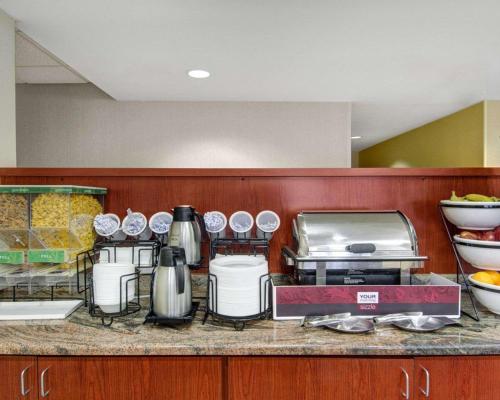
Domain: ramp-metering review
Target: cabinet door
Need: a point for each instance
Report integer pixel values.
(18, 378)
(457, 378)
(307, 378)
(131, 378)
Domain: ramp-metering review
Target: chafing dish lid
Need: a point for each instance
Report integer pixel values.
(355, 233)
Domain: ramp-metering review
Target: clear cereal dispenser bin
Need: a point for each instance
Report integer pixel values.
(58, 224)
(14, 236)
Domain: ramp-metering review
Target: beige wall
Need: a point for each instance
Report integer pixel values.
(7, 92)
(80, 126)
(492, 134)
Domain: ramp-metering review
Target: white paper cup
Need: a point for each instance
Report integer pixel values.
(135, 225)
(267, 222)
(106, 225)
(241, 223)
(160, 222)
(215, 224)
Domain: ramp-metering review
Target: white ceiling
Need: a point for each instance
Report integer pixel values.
(401, 63)
(36, 65)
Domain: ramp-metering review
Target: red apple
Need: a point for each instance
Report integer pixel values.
(497, 233)
(488, 235)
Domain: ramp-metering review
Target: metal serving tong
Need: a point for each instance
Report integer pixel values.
(323, 320)
(390, 318)
(416, 322)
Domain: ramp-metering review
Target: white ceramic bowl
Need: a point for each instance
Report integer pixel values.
(488, 295)
(481, 254)
(472, 215)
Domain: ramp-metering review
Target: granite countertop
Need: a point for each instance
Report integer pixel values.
(81, 334)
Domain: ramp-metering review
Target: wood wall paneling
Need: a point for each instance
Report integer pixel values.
(416, 192)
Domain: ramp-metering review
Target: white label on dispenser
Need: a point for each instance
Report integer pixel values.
(367, 297)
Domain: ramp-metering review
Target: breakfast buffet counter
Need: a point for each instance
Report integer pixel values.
(81, 334)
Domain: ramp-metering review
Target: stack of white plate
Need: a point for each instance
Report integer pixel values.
(106, 281)
(239, 285)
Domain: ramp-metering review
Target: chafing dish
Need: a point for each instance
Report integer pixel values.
(353, 247)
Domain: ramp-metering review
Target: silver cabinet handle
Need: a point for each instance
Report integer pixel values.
(426, 390)
(43, 392)
(406, 393)
(22, 378)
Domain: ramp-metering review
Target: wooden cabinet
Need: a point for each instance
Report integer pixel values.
(248, 378)
(132, 378)
(457, 378)
(18, 378)
(315, 378)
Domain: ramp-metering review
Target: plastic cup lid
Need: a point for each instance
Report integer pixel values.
(215, 221)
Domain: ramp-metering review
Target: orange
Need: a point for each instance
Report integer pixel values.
(495, 276)
(484, 277)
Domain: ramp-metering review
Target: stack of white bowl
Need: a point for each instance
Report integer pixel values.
(107, 278)
(238, 285)
(481, 254)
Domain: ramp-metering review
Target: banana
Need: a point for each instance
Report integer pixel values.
(477, 197)
(454, 197)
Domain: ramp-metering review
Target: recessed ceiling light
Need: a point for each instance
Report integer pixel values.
(355, 137)
(198, 73)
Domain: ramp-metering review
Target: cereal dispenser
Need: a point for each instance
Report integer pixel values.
(42, 229)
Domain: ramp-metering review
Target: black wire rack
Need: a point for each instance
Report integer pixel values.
(106, 251)
(239, 323)
(238, 246)
(460, 268)
(242, 246)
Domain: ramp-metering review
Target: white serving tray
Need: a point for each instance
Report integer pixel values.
(25, 310)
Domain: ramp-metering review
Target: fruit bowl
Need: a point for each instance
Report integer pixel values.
(481, 254)
(472, 215)
(488, 295)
